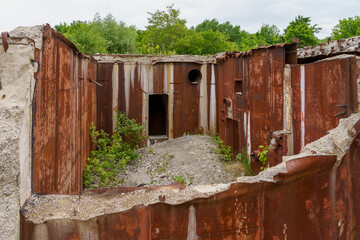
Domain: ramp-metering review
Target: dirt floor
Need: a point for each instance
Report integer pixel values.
(190, 159)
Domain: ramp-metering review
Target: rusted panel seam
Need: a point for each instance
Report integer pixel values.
(4, 38)
(56, 116)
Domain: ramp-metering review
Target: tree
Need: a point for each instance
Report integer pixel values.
(301, 28)
(84, 35)
(268, 35)
(120, 38)
(163, 32)
(347, 28)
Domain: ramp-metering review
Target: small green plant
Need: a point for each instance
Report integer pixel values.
(179, 179)
(151, 150)
(243, 159)
(164, 163)
(263, 156)
(223, 151)
(113, 152)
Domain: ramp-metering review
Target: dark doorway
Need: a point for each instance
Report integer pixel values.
(157, 114)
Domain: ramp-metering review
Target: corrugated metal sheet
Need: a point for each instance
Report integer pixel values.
(65, 104)
(104, 97)
(323, 93)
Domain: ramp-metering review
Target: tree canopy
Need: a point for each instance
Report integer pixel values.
(346, 28)
(302, 29)
(167, 33)
(101, 35)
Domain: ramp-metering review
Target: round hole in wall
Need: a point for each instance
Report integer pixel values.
(194, 76)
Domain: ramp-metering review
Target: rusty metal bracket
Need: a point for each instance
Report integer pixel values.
(90, 80)
(340, 113)
(341, 105)
(4, 38)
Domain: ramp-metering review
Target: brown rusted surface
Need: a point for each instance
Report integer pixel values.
(254, 84)
(104, 97)
(329, 96)
(311, 201)
(186, 100)
(4, 38)
(63, 109)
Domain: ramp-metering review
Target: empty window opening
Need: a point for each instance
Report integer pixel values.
(157, 115)
(194, 76)
(239, 87)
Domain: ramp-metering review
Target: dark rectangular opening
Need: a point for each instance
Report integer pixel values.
(157, 114)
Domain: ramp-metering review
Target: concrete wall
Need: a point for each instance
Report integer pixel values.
(17, 69)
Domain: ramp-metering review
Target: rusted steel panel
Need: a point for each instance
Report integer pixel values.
(304, 204)
(265, 94)
(44, 139)
(313, 200)
(135, 99)
(232, 134)
(62, 116)
(104, 97)
(322, 95)
(158, 85)
(121, 101)
(353, 156)
(186, 100)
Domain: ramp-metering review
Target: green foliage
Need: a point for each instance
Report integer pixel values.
(268, 35)
(167, 34)
(243, 158)
(113, 152)
(166, 159)
(263, 155)
(105, 35)
(223, 151)
(164, 31)
(84, 35)
(347, 28)
(240, 39)
(180, 179)
(301, 28)
(120, 38)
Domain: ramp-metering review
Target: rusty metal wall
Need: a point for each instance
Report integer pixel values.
(137, 81)
(250, 92)
(323, 93)
(186, 100)
(104, 97)
(313, 200)
(65, 104)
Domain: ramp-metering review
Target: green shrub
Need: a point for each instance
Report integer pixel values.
(223, 151)
(263, 156)
(113, 153)
(180, 179)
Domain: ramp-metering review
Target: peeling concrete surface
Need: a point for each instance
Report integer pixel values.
(83, 207)
(349, 45)
(153, 59)
(35, 33)
(17, 80)
(338, 140)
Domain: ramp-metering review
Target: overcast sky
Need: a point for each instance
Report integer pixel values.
(249, 14)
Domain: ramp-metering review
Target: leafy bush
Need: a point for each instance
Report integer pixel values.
(113, 152)
(263, 156)
(223, 151)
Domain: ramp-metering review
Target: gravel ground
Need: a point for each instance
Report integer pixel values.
(190, 159)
